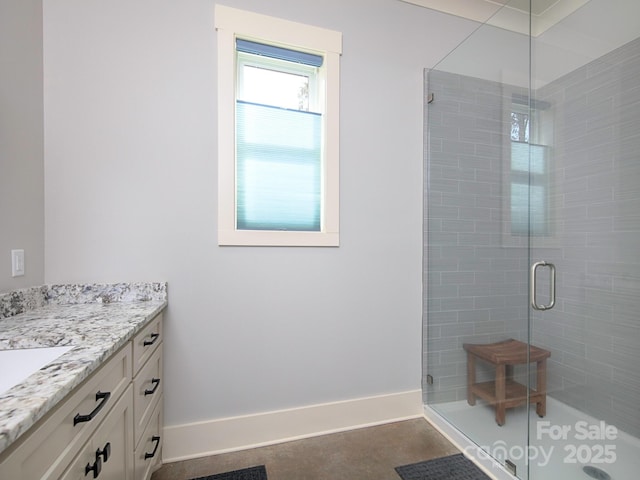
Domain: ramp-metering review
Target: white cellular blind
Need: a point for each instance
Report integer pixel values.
(278, 168)
(529, 189)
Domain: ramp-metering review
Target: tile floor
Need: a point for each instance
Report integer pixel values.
(365, 454)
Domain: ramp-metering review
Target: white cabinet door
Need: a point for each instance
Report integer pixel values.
(109, 454)
(148, 456)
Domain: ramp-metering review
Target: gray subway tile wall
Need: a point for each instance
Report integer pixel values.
(476, 290)
(476, 279)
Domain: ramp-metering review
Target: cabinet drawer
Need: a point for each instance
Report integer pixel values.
(146, 341)
(47, 450)
(108, 456)
(147, 389)
(148, 456)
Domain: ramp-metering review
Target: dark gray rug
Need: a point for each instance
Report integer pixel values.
(252, 473)
(454, 467)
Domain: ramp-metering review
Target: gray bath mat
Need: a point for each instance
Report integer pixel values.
(252, 473)
(454, 467)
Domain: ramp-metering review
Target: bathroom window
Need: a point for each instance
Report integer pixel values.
(278, 139)
(277, 131)
(529, 175)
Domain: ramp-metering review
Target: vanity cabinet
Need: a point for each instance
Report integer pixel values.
(147, 399)
(109, 427)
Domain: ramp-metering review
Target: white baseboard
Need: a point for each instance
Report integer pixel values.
(182, 442)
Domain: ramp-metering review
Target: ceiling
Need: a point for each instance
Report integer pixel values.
(538, 7)
(566, 34)
(508, 14)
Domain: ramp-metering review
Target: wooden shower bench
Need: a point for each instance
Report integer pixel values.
(504, 392)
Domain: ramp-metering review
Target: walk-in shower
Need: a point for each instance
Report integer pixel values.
(532, 154)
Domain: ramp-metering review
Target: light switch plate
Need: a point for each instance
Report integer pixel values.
(17, 263)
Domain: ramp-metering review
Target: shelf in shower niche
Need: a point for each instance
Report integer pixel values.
(504, 392)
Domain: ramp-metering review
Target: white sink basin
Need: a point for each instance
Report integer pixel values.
(16, 365)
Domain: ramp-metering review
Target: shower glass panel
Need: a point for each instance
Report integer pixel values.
(477, 199)
(533, 158)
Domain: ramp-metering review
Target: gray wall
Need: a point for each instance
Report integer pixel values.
(21, 141)
(131, 175)
(594, 330)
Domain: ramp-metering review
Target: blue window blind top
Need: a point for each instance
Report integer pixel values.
(280, 53)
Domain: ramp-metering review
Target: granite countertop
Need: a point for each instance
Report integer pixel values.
(95, 319)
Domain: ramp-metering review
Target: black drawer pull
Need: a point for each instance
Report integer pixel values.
(154, 337)
(103, 397)
(96, 468)
(105, 453)
(156, 383)
(156, 439)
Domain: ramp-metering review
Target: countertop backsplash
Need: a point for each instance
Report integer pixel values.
(23, 300)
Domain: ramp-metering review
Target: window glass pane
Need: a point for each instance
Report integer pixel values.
(519, 157)
(538, 158)
(278, 168)
(523, 196)
(519, 127)
(520, 160)
(539, 217)
(529, 189)
(519, 208)
(272, 87)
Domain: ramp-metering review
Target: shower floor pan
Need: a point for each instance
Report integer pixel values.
(565, 444)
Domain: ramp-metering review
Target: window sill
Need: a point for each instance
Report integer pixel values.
(277, 238)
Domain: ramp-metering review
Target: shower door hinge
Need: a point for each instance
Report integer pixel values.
(430, 98)
(511, 467)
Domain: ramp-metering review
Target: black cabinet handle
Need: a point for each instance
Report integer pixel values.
(156, 384)
(103, 397)
(96, 468)
(156, 439)
(154, 337)
(105, 453)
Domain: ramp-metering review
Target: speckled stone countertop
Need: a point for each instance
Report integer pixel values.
(95, 319)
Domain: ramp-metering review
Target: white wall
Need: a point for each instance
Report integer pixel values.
(21, 137)
(130, 165)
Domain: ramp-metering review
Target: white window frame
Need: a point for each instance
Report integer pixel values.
(230, 24)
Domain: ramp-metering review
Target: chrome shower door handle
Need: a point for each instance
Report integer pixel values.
(552, 286)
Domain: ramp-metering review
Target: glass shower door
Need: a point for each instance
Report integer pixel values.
(586, 111)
